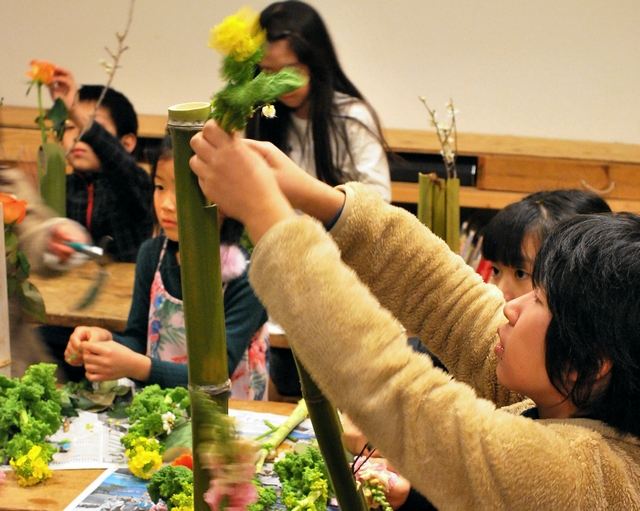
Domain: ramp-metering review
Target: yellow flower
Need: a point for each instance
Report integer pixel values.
(41, 71)
(31, 468)
(34, 452)
(144, 457)
(239, 36)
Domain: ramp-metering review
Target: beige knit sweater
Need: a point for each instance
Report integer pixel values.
(456, 448)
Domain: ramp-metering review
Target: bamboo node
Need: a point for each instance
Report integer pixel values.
(212, 390)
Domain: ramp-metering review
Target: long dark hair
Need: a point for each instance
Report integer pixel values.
(589, 268)
(301, 25)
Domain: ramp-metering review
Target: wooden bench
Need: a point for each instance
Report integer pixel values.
(509, 167)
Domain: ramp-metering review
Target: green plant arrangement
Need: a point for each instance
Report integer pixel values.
(51, 160)
(30, 411)
(439, 199)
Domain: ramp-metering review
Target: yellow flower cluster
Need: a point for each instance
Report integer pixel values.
(239, 36)
(32, 467)
(144, 457)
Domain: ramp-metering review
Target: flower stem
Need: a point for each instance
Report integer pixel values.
(43, 130)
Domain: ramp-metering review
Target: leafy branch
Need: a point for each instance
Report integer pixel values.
(447, 135)
(110, 68)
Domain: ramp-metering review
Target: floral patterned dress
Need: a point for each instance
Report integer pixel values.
(166, 337)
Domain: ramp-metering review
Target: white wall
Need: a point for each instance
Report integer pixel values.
(545, 68)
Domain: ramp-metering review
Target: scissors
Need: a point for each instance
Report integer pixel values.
(97, 254)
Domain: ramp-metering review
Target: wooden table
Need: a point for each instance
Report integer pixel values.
(111, 307)
(56, 493)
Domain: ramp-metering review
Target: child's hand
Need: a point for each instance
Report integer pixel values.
(111, 360)
(62, 232)
(303, 191)
(82, 335)
(64, 87)
(229, 173)
(397, 495)
(292, 180)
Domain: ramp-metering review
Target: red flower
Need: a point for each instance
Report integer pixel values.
(41, 71)
(14, 210)
(186, 460)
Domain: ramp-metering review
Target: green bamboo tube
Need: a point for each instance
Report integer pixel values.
(452, 192)
(53, 178)
(439, 208)
(201, 281)
(328, 430)
(425, 200)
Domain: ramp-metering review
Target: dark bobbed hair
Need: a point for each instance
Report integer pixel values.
(537, 214)
(301, 25)
(231, 230)
(121, 110)
(589, 268)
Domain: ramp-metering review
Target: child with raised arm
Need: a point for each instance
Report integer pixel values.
(152, 349)
(544, 410)
(108, 193)
(326, 126)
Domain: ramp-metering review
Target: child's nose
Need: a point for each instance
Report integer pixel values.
(514, 307)
(169, 203)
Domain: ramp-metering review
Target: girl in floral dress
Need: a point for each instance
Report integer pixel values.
(152, 349)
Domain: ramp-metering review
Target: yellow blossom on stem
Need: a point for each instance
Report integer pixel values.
(144, 457)
(33, 467)
(239, 36)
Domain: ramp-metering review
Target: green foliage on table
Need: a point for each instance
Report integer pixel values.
(169, 483)
(95, 397)
(29, 411)
(267, 497)
(304, 479)
(147, 410)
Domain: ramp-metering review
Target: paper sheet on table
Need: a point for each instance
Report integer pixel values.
(93, 440)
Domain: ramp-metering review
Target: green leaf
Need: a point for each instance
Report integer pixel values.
(180, 436)
(118, 410)
(10, 241)
(31, 301)
(24, 263)
(58, 114)
(53, 181)
(12, 285)
(99, 401)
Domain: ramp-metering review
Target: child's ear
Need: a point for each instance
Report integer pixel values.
(129, 142)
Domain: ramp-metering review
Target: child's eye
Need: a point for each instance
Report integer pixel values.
(494, 271)
(521, 275)
(158, 187)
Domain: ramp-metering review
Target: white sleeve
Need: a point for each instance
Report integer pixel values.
(370, 165)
